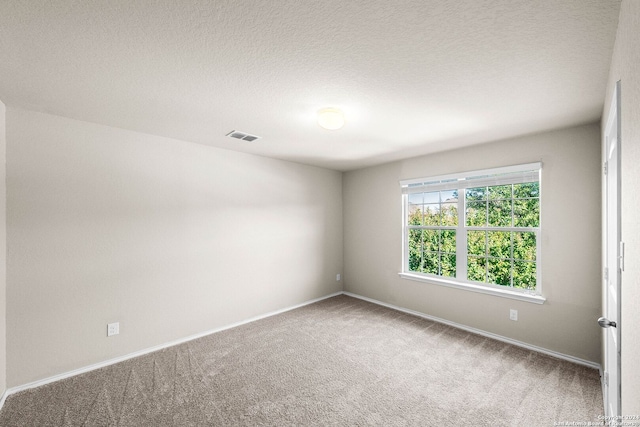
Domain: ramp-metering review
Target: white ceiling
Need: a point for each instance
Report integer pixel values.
(412, 76)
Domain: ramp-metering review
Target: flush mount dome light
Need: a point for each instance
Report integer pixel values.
(330, 118)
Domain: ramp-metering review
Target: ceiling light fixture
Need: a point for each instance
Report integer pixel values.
(330, 118)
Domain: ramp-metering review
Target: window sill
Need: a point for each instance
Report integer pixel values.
(504, 293)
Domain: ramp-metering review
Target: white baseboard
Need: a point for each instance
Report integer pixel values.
(3, 398)
(109, 362)
(481, 332)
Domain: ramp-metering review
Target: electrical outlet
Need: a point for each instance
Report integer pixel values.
(513, 314)
(338, 277)
(113, 329)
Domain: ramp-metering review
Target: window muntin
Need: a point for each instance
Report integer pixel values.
(488, 235)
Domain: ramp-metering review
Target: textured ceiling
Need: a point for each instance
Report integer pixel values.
(413, 76)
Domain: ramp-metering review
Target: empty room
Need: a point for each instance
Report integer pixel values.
(393, 213)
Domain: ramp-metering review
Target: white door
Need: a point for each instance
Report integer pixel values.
(614, 261)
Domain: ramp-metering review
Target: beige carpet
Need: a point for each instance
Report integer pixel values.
(341, 361)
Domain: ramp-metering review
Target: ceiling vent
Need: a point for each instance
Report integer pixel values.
(242, 135)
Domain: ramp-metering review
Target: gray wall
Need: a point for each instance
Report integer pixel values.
(3, 252)
(167, 237)
(570, 241)
(625, 66)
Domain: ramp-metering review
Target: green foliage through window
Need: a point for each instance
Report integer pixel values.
(509, 255)
(505, 257)
(499, 223)
(432, 246)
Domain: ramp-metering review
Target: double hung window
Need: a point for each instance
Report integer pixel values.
(479, 228)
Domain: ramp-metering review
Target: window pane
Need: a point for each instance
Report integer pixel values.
(448, 265)
(477, 269)
(430, 240)
(448, 241)
(449, 196)
(449, 213)
(500, 213)
(500, 192)
(415, 198)
(415, 215)
(499, 244)
(524, 246)
(500, 271)
(528, 189)
(526, 213)
(432, 197)
(430, 263)
(524, 275)
(431, 215)
(476, 243)
(415, 249)
(479, 193)
(476, 214)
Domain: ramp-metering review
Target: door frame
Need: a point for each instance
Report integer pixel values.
(612, 120)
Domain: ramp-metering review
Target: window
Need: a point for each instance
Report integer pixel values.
(479, 230)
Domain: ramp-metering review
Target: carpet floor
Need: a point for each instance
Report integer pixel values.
(341, 361)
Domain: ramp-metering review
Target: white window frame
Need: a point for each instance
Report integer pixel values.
(530, 172)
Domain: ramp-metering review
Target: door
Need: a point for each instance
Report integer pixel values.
(614, 261)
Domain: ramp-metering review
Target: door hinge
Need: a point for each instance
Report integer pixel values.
(605, 167)
(621, 256)
(606, 273)
(606, 379)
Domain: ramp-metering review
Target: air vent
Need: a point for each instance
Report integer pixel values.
(242, 135)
